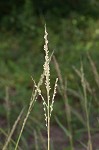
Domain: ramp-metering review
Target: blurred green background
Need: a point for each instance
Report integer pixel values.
(73, 27)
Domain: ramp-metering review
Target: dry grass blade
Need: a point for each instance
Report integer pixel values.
(43, 141)
(78, 115)
(86, 108)
(6, 135)
(36, 140)
(63, 92)
(74, 93)
(88, 87)
(66, 131)
(7, 105)
(58, 71)
(12, 131)
(86, 82)
(94, 70)
(85, 146)
(33, 99)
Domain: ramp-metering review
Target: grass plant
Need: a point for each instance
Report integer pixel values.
(48, 105)
(11, 132)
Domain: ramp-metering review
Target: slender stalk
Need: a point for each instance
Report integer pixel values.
(48, 131)
(68, 114)
(63, 89)
(86, 109)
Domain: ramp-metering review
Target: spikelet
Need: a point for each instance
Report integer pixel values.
(54, 93)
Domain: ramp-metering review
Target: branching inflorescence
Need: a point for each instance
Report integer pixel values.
(47, 104)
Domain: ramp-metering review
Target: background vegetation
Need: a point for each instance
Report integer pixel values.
(73, 27)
